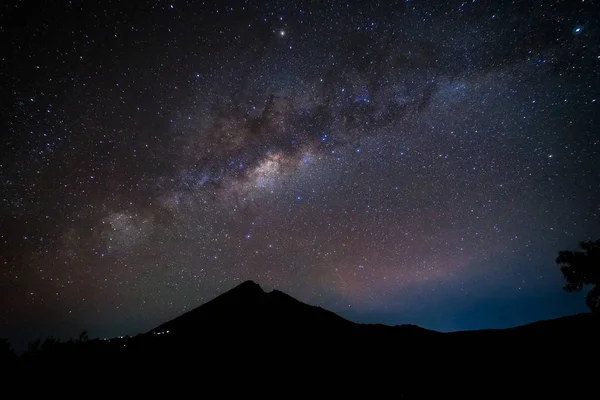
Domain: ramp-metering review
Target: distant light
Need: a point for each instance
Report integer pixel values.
(282, 33)
(577, 30)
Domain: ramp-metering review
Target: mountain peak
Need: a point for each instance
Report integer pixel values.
(248, 286)
(248, 308)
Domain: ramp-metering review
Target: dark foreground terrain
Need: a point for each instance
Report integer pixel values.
(247, 331)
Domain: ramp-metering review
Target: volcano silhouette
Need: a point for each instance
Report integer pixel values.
(250, 312)
(249, 309)
(249, 330)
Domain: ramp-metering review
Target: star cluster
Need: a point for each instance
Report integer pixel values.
(397, 162)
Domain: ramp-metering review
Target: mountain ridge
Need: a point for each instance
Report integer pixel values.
(248, 305)
(247, 330)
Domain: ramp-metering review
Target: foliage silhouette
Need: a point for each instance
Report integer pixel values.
(8, 357)
(582, 268)
(83, 337)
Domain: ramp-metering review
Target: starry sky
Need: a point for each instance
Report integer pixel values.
(398, 162)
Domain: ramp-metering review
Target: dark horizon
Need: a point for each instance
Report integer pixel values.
(20, 343)
(393, 162)
(248, 330)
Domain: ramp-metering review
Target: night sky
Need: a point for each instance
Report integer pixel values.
(411, 162)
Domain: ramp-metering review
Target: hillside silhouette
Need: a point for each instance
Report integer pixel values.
(268, 316)
(247, 326)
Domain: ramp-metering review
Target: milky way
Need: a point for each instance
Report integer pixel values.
(410, 162)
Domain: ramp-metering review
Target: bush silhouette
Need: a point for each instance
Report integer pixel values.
(8, 357)
(581, 268)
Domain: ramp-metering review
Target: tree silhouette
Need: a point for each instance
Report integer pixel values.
(582, 268)
(8, 357)
(83, 337)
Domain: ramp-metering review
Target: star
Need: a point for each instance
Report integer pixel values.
(385, 157)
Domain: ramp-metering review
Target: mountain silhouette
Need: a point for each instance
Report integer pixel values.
(249, 332)
(247, 322)
(250, 311)
(248, 308)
